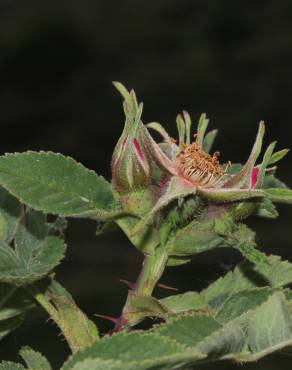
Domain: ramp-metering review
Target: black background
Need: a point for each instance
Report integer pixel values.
(231, 59)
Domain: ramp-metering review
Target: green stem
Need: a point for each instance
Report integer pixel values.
(43, 302)
(153, 268)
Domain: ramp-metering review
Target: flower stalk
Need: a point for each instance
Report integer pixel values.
(152, 270)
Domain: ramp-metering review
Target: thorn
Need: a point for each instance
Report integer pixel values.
(109, 318)
(128, 283)
(163, 286)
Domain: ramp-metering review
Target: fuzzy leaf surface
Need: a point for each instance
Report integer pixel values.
(10, 214)
(33, 253)
(246, 277)
(56, 184)
(136, 351)
(7, 365)
(34, 360)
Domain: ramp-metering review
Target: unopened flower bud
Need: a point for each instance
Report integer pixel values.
(133, 160)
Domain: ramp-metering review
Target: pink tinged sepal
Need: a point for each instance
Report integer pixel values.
(130, 162)
(242, 179)
(136, 154)
(258, 180)
(254, 177)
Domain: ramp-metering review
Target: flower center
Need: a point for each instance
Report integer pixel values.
(198, 166)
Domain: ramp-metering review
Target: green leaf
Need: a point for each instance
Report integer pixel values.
(188, 330)
(239, 303)
(243, 239)
(6, 326)
(270, 328)
(143, 306)
(279, 195)
(34, 252)
(98, 364)
(14, 303)
(143, 350)
(190, 301)
(247, 277)
(7, 365)
(205, 334)
(10, 215)
(34, 360)
(245, 280)
(56, 184)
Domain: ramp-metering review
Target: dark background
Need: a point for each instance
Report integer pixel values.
(231, 59)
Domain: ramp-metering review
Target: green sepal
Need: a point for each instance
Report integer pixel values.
(276, 157)
(229, 195)
(201, 129)
(263, 166)
(266, 209)
(279, 195)
(160, 129)
(242, 179)
(209, 140)
(177, 188)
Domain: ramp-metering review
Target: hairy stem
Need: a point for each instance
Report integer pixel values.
(152, 269)
(44, 303)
